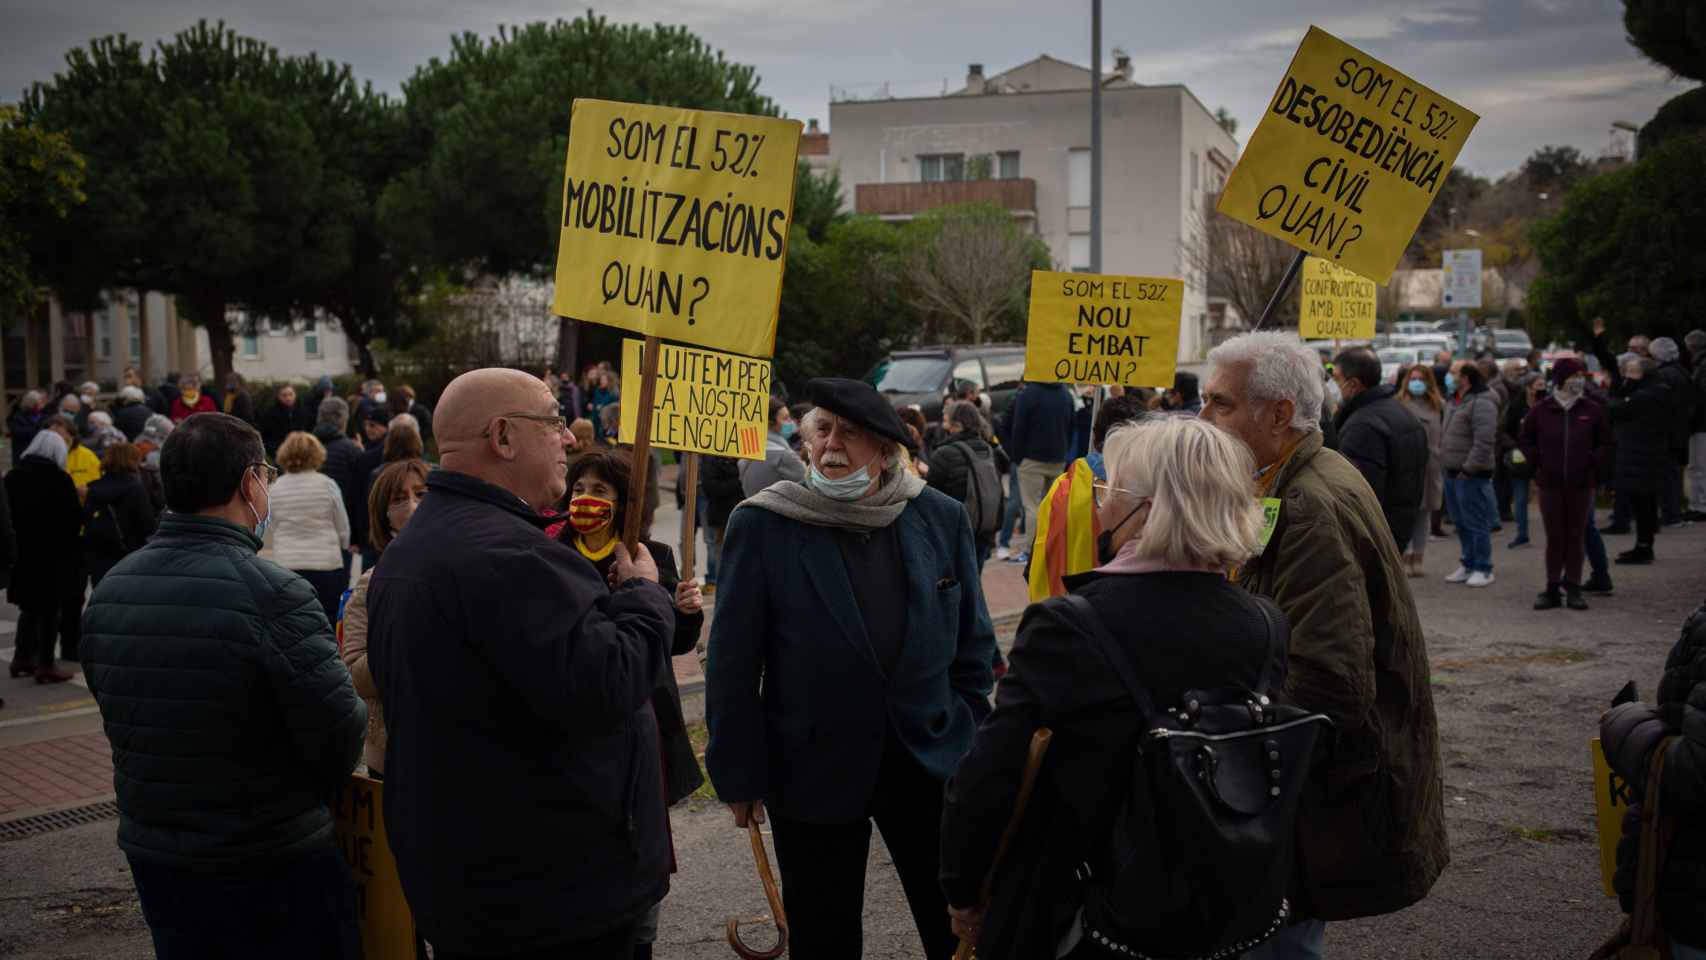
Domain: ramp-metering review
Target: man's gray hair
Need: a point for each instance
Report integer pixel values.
(132, 393)
(1278, 367)
(1664, 350)
(1695, 341)
(404, 420)
(334, 411)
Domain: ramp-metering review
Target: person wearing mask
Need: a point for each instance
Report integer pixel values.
(1567, 440)
(117, 515)
(237, 402)
(80, 462)
(1641, 418)
(505, 659)
(1066, 523)
(88, 401)
(1466, 451)
(25, 422)
(390, 504)
(1180, 511)
(283, 418)
(850, 663)
(1421, 397)
(46, 516)
(780, 461)
(230, 718)
(1042, 432)
(342, 456)
(1371, 833)
(131, 377)
(955, 468)
(369, 401)
(308, 531)
(1695, 342)
(1442, 366)
(1386, 444)
(191, 400)
(1527, 390)
(1679, 385)
(99, 433)
(1506, 382)
(420, 411)
(153, 437)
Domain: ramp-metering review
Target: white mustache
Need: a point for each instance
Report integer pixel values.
(833, 460)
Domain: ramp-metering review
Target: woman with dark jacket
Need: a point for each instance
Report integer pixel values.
(1641, 415)
(952, 461)
(1566, 441)
(118, 517)
(1179, 509)
(1466, 450)
(1514, 469)
(596, 503)
(46, 517)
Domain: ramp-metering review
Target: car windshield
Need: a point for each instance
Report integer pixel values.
(1510, 336)
(1398, 355)
(913, 375)
(1005, 370)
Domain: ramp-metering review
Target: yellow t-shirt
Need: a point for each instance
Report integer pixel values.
(83, 465)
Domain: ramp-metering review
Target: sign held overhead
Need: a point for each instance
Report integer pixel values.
(1094, 328)
(1335, 303)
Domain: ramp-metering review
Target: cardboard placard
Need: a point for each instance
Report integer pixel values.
(675, 222)
(1335, 303)
(1347, 157)
(1103, 329)
(704, 402)
(358, 819)
(1611, 798)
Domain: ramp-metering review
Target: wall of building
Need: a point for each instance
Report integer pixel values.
(305, 349)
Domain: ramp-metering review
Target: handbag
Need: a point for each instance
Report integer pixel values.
(1641, 935)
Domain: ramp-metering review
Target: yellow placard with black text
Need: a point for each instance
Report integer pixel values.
(675, 222)
(1347, 157)
(1334, 302)
(1103, 329)
(358, 819)
(1612, 796)
(705, 402)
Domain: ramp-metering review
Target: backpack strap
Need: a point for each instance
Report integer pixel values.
(1090, 622)
(1265, 682)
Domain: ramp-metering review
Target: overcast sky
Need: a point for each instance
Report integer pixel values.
(1538, 71)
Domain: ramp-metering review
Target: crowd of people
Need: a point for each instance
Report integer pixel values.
(442, 600)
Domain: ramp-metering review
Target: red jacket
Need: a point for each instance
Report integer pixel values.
(1570, 449)
(182, 411)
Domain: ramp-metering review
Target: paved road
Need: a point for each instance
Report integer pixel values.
(1518, 693)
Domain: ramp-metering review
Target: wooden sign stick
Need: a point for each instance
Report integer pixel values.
(642, 445)
(689, 510)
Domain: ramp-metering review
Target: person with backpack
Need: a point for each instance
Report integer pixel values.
(118, 517)
(963, 467)
(1091, 872)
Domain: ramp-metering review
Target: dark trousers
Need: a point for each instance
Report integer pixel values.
(300, 908)
(1566, 514)
(616, 945)
(823, 866)
(1621, 505)
(32, 646)
(71, 618)
(1502, 493)
(1646, 507)
(1670, 504)
(329, 585)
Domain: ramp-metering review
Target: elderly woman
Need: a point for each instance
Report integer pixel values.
(45, 518)
(99, 433)
(309, 529)
(131, 413)
(25, 421)
(153, 437)
(1466, 450)
(191, 400)
(1641, 414)
(117, 515)
(1181, 509)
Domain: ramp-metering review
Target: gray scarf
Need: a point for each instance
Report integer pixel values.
(796, 501)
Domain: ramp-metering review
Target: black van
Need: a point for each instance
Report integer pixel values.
(923, 376)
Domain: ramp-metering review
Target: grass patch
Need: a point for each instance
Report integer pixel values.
(1535, 834)
(700, 735)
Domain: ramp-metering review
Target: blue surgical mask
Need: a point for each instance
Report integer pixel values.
(847, 489)
(789, 429)
(261, 523)
(1450, 382)
(1417, 388)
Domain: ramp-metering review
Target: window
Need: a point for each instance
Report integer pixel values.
(1078, 179)
(969, 370)
(1007, 165)
(104, 333)
(1005, 370)
(1196, 172)
(1078, 251)
(936, 167)
(310, 336)
(251, 346)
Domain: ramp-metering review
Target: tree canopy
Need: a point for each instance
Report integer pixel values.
(41, 179)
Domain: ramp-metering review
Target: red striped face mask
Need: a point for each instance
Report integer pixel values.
(590, 514)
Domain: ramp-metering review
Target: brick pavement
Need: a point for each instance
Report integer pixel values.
(55, 773)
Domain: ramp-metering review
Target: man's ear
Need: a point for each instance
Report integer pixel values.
(1281, 416)
(500, 441)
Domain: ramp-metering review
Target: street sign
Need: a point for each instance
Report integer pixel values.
(1460, 283)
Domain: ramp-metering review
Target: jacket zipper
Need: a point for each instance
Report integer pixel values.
(1162, 733)
(1566, 473)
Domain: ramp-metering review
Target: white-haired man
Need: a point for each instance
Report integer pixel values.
(1371, 831)
(849, 667)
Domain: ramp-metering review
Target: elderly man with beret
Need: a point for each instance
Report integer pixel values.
(849, 667)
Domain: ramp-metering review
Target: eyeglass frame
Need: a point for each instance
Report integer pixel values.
(270, 472)
(561, 421)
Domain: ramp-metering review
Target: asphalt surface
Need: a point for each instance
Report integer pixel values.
(1518, 692)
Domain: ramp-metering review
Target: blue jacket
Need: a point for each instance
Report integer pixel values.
(808, 739)
(1042, 423)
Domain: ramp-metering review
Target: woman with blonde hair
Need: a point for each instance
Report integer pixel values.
(307, 530)
(1178, 511)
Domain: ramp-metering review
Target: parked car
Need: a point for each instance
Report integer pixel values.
(1511, 343)
(1413, 327)
(923, 376)
(1392, 358)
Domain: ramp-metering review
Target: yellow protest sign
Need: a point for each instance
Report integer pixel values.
(1336, 303)
(705, 402)
(358, 818)
(1094, 328)
(675, 222)
(1347, 158)
(1611, 799)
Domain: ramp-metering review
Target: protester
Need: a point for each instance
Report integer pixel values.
(190, 400)
(308, 530)
(230, 717)
(1179, 510)
(45, 519)
(586, 439)
(236, 400)
(780, 461)
(99, 433)
(283, 418)
(373, 433)
(118, 517)
(720, 491)
(1066, 527)
(1567, 439)
(1421, 397)
(1185, 397)
(342, 464)
(1528, 390)
(964, 468)
(1371, 835)
(151, 397)
(606, 392)
(1442, 365)
(1466, 451)
(420, 411)
(1014, 520)
(322, 390)
(153, 437)
(88, 401)
(1506, 383)
(1679, 385)
(8, 554)
(25, 421)
(1695, 342)
(1385, 442)
(855, 598)
(392, 501)
(1642, 421)
(368, 402)
(1041, 434)
(505, 660)
(131, 414)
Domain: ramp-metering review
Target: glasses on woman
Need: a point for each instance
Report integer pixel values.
(1101, 491)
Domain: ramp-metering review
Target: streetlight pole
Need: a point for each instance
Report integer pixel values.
(1095, 136)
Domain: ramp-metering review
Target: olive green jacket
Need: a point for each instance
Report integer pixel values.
(1371, 830)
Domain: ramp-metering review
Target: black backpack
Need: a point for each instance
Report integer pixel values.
(102, 534)
(983, 500)
(1200, 854)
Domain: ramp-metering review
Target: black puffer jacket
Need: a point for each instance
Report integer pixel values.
(950, 469)
(1389, 447)
(230, 715)
(1629, 733)
(1640, 415)
(1679, 405)
(343, 464)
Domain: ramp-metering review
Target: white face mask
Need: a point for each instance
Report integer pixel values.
(379, 397)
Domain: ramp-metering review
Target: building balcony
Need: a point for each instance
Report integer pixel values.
(903, 201)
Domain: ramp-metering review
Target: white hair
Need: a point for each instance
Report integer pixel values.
(404, 420)
(1203, 509)
(132, 393)
(1664, 350)
(893, 453)
(100, 418)
(89, 386)
(1279, 367)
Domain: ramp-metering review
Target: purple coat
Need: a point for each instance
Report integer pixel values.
(1570, 449)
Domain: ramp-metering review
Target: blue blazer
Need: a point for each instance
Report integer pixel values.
(797, 704)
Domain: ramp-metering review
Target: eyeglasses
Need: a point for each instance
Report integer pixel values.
(267, 470)
(1100, 492)
(556, 423)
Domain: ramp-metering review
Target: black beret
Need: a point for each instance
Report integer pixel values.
(859, 402)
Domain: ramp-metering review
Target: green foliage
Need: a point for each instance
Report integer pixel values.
(1629, 246)
(1555, 168)
(1227, 121)
(1681, 115)
(980, 166)
(817, 201)
(843, 301)
(969, 267)
(41, 179)
(1672, 34)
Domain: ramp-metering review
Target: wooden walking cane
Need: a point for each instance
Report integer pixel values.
(1033, 766)
(771, 894)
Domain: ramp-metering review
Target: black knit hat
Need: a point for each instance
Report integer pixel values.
(859, 402)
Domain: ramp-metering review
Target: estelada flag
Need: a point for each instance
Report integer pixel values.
(1067, 529)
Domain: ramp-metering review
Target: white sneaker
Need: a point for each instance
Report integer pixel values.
(1002, 553)
(1458, 576)
(1479, 579)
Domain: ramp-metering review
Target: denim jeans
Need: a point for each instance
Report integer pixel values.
(713, 540)
(1470, 501)
(1307, 940)
(1598, 562)
(1015, 516)
(1519, 506)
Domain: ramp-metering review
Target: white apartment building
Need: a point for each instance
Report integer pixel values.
(1021, 139)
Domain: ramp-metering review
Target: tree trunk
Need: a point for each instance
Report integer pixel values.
(207, 309)
(568, 347)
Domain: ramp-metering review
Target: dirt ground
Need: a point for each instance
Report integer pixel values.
(1518, 692)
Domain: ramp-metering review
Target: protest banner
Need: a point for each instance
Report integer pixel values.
(675, 222)
(1103, 329)
(358, 819)
(1347, 157)
(705, 402)
(1611, 799)
(1335, 303)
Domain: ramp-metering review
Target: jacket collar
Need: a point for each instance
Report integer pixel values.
(473, 488)
(1307, 448)
(191, 526)
(1379, 391)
